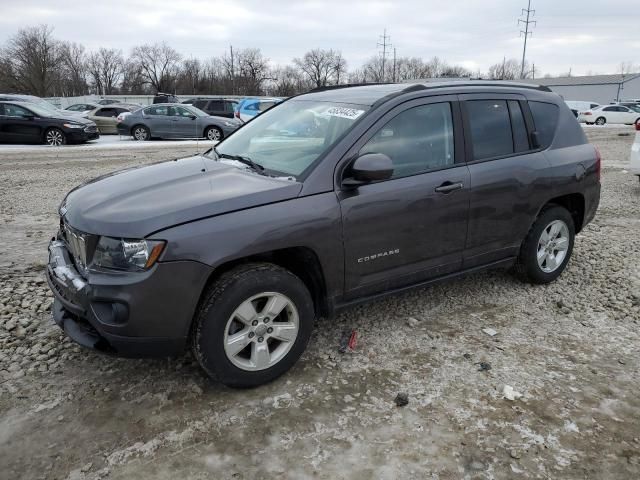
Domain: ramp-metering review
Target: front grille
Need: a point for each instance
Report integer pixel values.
(91, 129)
(77, 244)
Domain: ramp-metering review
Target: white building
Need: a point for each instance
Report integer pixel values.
(601, 89)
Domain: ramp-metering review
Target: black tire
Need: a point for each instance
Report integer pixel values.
(527, 266)
(140, 133)
(213, 133)
(55, 137)
(601, 121)
(218, 306)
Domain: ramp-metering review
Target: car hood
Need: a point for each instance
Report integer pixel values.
(137, 202)
(70, 117)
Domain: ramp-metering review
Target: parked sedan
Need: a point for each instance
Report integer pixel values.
(24, 122)
(105, 116)
(171, 120)
(609, 114)
(81, 108)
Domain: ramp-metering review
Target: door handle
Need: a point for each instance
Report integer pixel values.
(447, 187)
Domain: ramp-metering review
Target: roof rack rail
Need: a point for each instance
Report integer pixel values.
(346, 85)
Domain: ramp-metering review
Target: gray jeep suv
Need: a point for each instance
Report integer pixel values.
(329, 199)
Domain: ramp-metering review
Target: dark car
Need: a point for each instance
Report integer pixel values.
(165, 98)
(326, 200)
(218, 107)
(169, 120)
(24, 122)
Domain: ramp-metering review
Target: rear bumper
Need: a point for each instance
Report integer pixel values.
(140, 314)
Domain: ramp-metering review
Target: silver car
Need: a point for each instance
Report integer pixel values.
(174, 120)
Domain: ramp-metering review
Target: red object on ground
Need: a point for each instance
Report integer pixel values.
(353, 340)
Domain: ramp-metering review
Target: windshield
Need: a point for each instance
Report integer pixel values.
(635, 109)
(290, 137)
(42, 110)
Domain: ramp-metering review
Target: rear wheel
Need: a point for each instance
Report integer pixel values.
(55, 137)
(601, 121)
(140, 133)
(213, 133)
(546, 250)
(253, 325)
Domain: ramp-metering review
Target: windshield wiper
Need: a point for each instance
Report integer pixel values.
(242, 159)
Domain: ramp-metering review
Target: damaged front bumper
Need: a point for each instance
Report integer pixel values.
(131, 314)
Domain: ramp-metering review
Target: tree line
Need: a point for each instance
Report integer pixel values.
(33, 61)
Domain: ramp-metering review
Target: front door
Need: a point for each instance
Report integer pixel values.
(413, 226)
(20, 125)
(184, 123)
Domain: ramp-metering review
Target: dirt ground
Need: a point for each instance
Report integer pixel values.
(571, 349)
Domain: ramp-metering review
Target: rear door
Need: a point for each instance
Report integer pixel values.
(409, 228)
(507, 175)
(157, 120)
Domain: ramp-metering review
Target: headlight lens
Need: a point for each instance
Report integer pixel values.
(126, 254)
(230, 124)
(72, 125)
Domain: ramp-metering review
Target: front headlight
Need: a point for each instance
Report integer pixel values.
(230, 124)
(72, 125)
(126, 254)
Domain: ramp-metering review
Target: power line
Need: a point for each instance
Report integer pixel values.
(526, 32)
(385, 44)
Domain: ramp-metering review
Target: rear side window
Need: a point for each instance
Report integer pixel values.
(545, 119)
(200, 104)
(158, 110)
(519, 128)
(490, 128)
(216, 105)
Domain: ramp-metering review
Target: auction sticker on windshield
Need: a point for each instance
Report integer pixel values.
(342, 112)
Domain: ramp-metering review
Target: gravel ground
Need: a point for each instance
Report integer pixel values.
(570, 351)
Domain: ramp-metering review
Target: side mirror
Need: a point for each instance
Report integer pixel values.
(535, 139)
(29, 116)
(367, 168)
(192, 117)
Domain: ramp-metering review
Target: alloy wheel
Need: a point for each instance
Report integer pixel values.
(140, 133)
(261, 331)
(213, 134)
(55, 138)
(553, 246)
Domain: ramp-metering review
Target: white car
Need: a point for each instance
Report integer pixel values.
(635, 153)
(610, 114)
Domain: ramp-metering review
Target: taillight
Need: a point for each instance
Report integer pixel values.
(598, 164)
(587, 113)
(238, 114)
(638, 125)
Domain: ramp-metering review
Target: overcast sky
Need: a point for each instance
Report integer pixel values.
(584, 35)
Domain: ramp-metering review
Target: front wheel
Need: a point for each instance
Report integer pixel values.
(55, 137)
(213, 133)
(253, 325)
(546, 250)
(140, 133)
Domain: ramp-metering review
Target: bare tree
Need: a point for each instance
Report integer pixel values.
(508, 70)
(322, 67)
(73, 69)
(33, 56)
(254, 71)
(288, 81)
(106, 67)
(159, 65)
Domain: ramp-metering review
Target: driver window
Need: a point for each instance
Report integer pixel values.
(15, 111)
(417, 140)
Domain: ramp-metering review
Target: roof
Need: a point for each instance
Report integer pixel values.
(369, 94)
(614, 79)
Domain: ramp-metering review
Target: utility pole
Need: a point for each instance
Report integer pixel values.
(526, 32)
(394, 64)
(385, 44)
(233, 73)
